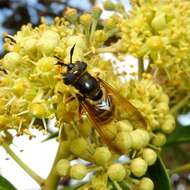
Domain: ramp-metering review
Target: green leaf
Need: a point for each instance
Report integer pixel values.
(67, 188)
(159, 175)
(180, 136)
(51, 136)
(5, 184)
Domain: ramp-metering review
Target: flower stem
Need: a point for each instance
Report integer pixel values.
(52, 180)
(93, 29)
(117, 185)
(180, 104)
(30, 172)
(181, 169)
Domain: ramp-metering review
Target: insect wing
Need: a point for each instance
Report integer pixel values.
(101, 128)
(133, 115)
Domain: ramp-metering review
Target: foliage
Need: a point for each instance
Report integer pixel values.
(5, 184)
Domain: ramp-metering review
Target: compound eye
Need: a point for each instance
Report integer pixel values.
(69, 78)
(82, 66)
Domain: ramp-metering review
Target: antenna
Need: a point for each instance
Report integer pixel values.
(71, 53)
(60, 62)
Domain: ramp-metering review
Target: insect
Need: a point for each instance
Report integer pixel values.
(99, 99)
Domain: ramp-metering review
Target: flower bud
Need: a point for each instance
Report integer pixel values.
(30, 46)
(11, 61)
(65, 149)
(48, 42)
(109, 23)
(39, 110)
(86, 19)
(154, 43)
(79, 147)
(159, 22)
(140, 138)
(102, 155)
(46, 64)
(149, 156)
(52, 35)
(96, 12)
(119, 7)
(116, 172)
(123, 141)
(146, 184)
(62, 167)
(124, 125)
(71, 14)
(163, 107)
(138, 167)
(169, 124)
(110, 131)
(20, 87)
(159, 139)
(108, 5)
(78, 171)
(47, 45)
(100, 36)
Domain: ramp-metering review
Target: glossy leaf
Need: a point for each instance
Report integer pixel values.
(159, 175)
(51, 136)
(180, 136)
(5, 184)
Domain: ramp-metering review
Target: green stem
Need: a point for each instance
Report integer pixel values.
(93, 29)
(30, 172)
(180, 104)
(118, 187)
(154, 147)
(52, 180)
(181, 169)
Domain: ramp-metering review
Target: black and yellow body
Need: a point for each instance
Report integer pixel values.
(99, 100)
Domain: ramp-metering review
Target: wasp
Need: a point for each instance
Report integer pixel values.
(99, 99)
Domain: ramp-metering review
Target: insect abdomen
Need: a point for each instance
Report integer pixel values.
(104, 109)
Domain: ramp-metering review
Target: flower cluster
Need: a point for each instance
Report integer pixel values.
(32, 90)
(159, 31)
(31, 83)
